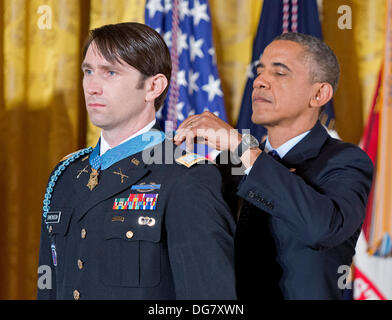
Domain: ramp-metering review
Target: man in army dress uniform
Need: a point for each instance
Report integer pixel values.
(117, 225)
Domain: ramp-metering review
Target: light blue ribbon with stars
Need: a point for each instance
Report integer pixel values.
(124, 150)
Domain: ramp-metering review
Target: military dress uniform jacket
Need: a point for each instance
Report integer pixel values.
(184, 249)
(301, 218)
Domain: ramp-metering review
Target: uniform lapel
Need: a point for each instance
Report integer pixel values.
(80, 175)
(120, 176)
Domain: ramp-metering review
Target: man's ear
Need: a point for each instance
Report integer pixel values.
(155, 86)
(323, 93)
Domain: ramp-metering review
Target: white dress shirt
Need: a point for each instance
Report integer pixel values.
(105, 146)
(283, 149)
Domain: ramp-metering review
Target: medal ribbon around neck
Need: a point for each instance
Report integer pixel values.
(124, 150)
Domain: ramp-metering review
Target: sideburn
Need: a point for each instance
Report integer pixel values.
(142, 81)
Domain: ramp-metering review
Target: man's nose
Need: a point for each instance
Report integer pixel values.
(93, 86)
(261, 81)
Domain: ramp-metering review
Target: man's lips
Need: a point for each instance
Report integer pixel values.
(96, 105)
(261, 99)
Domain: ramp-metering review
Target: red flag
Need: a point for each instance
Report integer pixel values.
(373, 260)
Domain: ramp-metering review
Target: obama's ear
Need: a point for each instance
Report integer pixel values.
(323, 94)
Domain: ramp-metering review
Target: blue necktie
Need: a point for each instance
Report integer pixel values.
(274, 155)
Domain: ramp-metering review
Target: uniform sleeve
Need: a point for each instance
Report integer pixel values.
(321, 214)
(46, 284)
(200, 233)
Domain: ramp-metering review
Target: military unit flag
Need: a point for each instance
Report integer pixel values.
(373, 259)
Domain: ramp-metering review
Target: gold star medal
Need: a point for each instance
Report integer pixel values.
(93, 181)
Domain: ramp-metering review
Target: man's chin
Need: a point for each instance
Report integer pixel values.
(98, 120)
(97, 123)
(256, 119)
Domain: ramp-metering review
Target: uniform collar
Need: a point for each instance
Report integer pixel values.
(105, 146)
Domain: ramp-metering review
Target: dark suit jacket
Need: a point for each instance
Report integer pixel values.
(297, 228)
(187, 254)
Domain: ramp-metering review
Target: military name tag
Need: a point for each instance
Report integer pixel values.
(137, 201)
(53, 217)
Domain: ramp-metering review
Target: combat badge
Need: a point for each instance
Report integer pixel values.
(143, 187)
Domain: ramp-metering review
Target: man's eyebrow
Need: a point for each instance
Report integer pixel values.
(282, 65)
(86, 65)
(259, 65)
(100, 66)
(274, 64)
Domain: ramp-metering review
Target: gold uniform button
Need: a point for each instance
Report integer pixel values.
(50, 229)
(83, 233)
(76, 295)
(129, 234)
(80, 264)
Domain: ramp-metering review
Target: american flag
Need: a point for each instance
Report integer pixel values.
(195, 86)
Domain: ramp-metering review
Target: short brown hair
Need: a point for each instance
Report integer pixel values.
(138, 45)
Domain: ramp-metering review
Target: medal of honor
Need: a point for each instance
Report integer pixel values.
(93, 181)
(135, 145)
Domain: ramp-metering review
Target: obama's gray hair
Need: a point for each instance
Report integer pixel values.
(321, 60)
